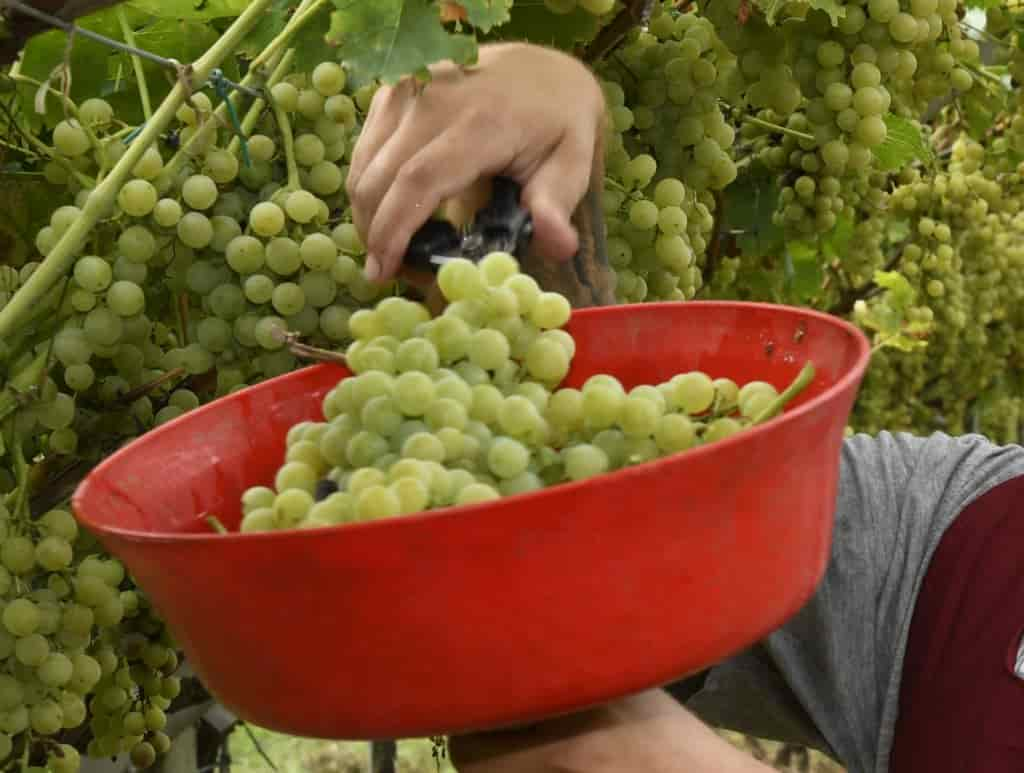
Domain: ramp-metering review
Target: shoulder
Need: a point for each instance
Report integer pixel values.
(941, 469)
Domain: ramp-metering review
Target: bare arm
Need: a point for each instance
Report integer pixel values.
(650, 732)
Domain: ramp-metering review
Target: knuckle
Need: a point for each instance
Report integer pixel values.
(416, 173)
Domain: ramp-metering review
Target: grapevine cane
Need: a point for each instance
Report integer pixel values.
(61, 257)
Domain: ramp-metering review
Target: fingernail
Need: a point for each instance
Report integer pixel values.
(372, 269)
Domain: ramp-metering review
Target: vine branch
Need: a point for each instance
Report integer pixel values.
(849, 297)
(635, 14)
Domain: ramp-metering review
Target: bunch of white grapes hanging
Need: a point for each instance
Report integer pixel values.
(210, 248)
(467, 407)
(78, 645)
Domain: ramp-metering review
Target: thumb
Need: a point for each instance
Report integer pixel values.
(553, 194)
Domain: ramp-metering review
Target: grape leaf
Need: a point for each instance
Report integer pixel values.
(984, 5)
(534, 23)
(268, 27)
(900, 292)
(802, 270)
(389, 39)
(749, 206)
(190, 9)
(89, 62)
(310, 42)
(835, 242)
(173, 38)
(772, 8)
(485, 15)
(903, 143)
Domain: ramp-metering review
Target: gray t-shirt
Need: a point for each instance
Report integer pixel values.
(830, 677)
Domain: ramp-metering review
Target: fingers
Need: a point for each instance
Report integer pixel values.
(555, 191)
(385, 116)
(443, 168)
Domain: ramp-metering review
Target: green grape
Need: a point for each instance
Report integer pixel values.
(195, 230)
(137, 198)
(126, 298)
(585, 461)
(70, 138)
(301, 206)
(93, 273)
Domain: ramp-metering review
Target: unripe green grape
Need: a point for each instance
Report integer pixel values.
(137, 198)
(286, 96)
(310, 104)
(301, 206)
(167, 213)
(195, 230)
(221, 166)
(137, 244)
(266, 219)
(199, 192)
(70, 139)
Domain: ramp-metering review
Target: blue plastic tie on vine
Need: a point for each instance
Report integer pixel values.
(220, 85)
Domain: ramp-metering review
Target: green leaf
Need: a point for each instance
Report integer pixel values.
(389, 39)
(268, 27)
(900, 293)
(983, 4)
(89, 63)
(803, 270)
(835, 242)
(903, 143)
(534, 23)
(190, 9)
(749, 205)
(772, 8)
(485, 15)
(311, 42)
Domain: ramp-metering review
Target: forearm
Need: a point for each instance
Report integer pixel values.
(701, 750)
(649, 733)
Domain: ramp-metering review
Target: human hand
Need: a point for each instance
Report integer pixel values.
(646, 733)
(530, 113)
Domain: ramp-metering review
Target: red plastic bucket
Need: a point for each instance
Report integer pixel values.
(487, 615)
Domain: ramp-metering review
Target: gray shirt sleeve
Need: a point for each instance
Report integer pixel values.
(830, 677)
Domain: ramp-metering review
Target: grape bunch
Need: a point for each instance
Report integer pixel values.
(66, 650)
(668, 149)
(466, 407)
(207, 253)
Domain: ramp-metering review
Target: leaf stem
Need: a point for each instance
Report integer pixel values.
(140, 74)
(98, 205)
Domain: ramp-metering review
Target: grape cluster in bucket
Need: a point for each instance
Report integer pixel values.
(465, 407)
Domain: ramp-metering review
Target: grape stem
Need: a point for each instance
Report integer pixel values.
(776, 128)
(634, 14)
(288, 143)
(144, 389)
(17, 454)
(302, 15)
(215, 524)
(803, 378)
(249, 122)
(307, 352)
(140, 74)
(22, 382)
(100, 200)
(44, 149)
(251, 78)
